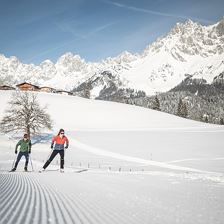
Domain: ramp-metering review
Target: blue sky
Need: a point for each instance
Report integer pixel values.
(36, 30)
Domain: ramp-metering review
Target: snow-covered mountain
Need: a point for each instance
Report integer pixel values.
(189, 48)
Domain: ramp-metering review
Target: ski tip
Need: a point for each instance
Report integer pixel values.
(80, 171)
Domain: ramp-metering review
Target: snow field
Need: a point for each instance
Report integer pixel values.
(176, 168)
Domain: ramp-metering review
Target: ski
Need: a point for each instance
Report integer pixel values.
(48, 170)
(80, 171)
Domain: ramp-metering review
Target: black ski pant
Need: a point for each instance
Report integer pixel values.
(53, 154)
(26, 154)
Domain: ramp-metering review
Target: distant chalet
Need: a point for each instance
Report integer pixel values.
(47, 89)
(5, 87)
(30, 87)
(27, 87)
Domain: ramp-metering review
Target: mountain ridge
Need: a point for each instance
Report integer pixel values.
(189, 48)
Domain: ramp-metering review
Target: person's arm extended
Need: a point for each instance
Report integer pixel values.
(67, 143)
(30, 145)
(17, 145)
(52, 142)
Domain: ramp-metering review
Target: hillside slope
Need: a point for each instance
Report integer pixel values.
(75, 113)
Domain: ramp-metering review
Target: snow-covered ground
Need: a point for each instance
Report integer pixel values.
(143, 166)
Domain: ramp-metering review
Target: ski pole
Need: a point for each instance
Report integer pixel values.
(14, 162)
(31, 163)
(48, 157)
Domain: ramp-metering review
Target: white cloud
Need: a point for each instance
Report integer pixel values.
(153, 12)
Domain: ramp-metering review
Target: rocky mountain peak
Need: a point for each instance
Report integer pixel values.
(188, 27)
(190, 38)
(220, 28)
(70, 62)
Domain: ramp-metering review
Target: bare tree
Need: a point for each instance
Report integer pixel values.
(25, 114)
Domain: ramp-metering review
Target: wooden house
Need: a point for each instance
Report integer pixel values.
(5, 87)
(47, 89)
(27, 87)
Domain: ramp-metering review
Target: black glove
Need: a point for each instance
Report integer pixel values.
(66, 146)
(52, 145)
(29, 151)
(15, 151)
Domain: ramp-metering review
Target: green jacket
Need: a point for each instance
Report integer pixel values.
(25, 146)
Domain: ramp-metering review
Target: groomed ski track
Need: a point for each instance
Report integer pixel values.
(23, 199)
(107, 197)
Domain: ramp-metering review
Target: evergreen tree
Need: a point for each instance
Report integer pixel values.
(179, 108)
(201, 118)
(156, 104)
(86, 93)
(182, 110)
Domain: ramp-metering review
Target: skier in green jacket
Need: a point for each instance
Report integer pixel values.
(25, 150)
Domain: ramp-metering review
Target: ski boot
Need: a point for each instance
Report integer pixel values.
(42, 170)
(13, 170)
(25, 169)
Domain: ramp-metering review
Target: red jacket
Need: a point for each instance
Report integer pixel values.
(59, 142)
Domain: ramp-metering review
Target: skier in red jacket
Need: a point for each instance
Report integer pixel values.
(58, 144)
